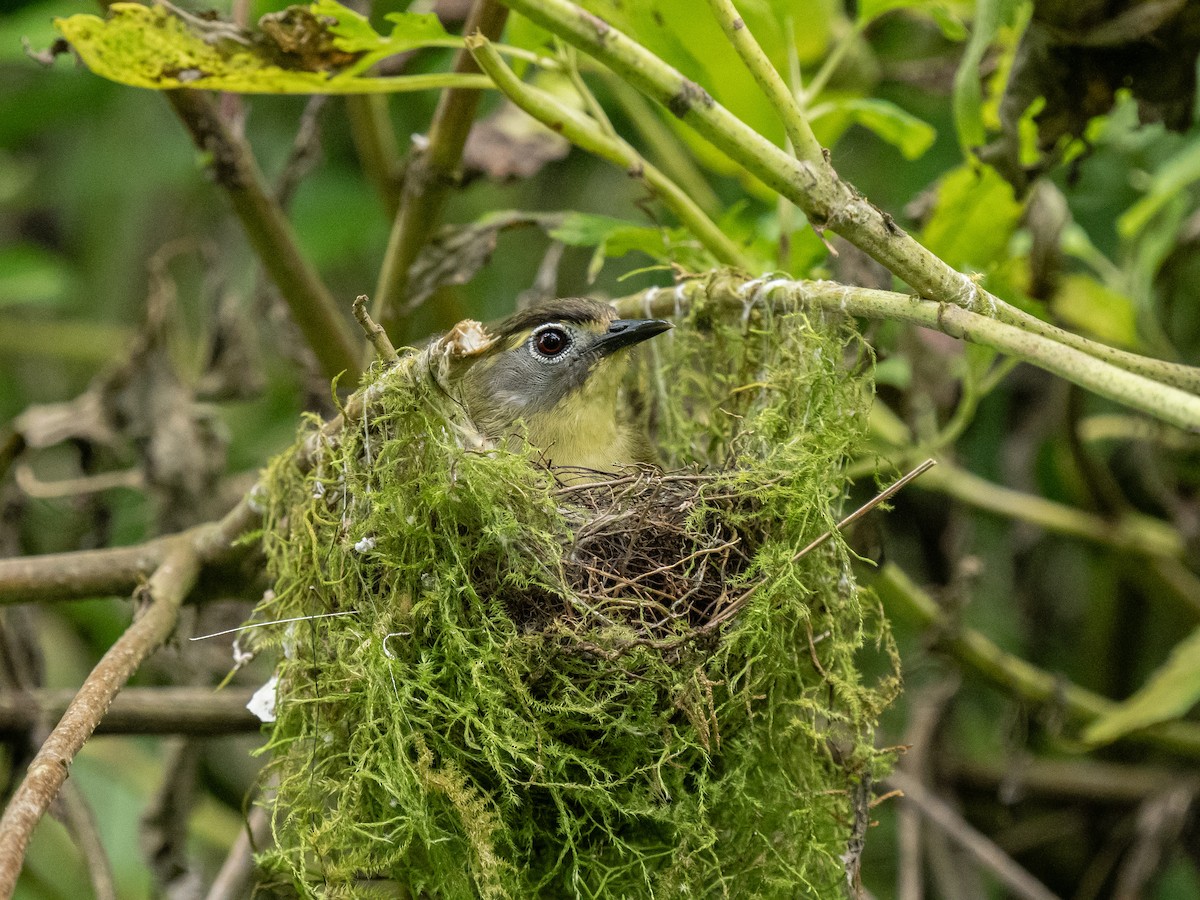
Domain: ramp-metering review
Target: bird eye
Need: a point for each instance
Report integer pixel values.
(551, 341)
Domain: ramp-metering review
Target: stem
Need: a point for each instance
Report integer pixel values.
(1131, 533)
(663, 145)
(76, 815)
(237, 872)
(270, 234)
(158, 710)
(375, 142)
(431, 175)
(1161, 401)
(1077, 780)
(72, 341)
(588, 135)
(795, 123)
(983, 850)
(828, 202)
(1014, 675)
(376, 336)
(165, 592)
(831, 63)
(119, 570)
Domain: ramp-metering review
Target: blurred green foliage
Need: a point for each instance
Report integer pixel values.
(1086, 210)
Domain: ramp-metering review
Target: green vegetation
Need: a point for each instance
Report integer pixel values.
(890, 231)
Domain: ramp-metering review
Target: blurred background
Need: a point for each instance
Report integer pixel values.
(1051, 148)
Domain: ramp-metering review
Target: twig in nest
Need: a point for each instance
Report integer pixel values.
(374, 332)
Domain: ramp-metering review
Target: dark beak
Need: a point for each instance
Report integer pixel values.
(627, 332)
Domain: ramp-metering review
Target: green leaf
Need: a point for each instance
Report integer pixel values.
(615, 237)
(1180, 172)
(585, 229)
(319, 49)
(1089, 306)
(904, 131)
(973, 219)
(946, 14)
(1172, 690)
(31, 276)
(968, 92)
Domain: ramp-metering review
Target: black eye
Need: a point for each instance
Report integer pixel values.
(552, 341)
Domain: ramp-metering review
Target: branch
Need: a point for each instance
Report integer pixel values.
(590, 136)
(77, 817)
(662, 143)
(238, 869)
(901, 597)
(375, 334)
(1162, 401)
(1074, 780)
(375, 142)
(430, 176)
(829, 202)
(1130, 532)
(164, 594)
(984, 851)
(795, 123)
(119, 570)
(270, 234)
(165, 710)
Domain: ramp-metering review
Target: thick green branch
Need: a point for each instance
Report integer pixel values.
(1132, 533)
(375, 142)
(431, 174)
(1164, 402)
(270, 234)
(828, 201)
(902, 598)
(587, 134)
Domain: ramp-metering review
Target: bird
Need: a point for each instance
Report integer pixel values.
(552, 378)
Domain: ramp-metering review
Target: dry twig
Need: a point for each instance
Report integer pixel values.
(164, 594)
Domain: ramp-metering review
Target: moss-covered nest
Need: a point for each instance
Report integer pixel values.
(632, 688)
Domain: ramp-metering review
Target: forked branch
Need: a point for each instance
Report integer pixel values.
(163, 596)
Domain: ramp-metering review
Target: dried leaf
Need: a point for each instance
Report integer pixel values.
(509, 144)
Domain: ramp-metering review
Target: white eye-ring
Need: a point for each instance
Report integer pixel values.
(549, 343)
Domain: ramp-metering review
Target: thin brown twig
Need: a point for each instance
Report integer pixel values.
(117, 570)
(374, 332)
(882, 497)
(76, 814)
(986, 853)
(237, 870)
(879, 498)
(164, 595)
(158, 710)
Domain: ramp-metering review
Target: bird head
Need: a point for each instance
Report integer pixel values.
(553, 373)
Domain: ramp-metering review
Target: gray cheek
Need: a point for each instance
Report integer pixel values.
(528, 386)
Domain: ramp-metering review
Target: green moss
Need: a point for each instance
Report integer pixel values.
(476, 729)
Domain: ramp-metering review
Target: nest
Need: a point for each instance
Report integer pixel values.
(657, 556)
(606, 688)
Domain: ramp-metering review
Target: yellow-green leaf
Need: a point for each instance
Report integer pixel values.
(904, 131)
(1084, 303)
(1169, 693)
(973, 219)
(317, 49)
